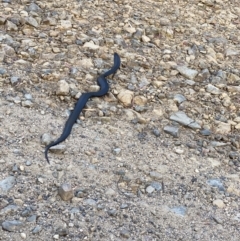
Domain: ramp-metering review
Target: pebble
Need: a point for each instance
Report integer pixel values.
(116, 151)
(219, 203)
(172, 130)
(181, 210)
(150, 189)
(183, 119)
(125, 233)
(125, 97)
(156, 132)
(12, 226)
(216, 183)
(62, 87)
(23, 235)
(213, 90)
(7, 183)
(65, 192)
(37, 229)
(187, 72)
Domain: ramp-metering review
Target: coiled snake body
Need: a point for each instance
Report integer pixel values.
(104, 87)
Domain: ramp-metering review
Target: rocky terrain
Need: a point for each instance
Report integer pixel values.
(158, 157)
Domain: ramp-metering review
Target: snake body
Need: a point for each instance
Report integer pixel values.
(104, 87)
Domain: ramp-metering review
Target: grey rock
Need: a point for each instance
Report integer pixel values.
(46, 139)
(179, 98)
(216, 183)
(186, 72)
(124, 205)
(62, 231)
(156, 132)
(28, 163)
(3, 71)
(125, 233)
(8, 209)
(181, 210)
(37, 229)
(34, 7)
(90, 202)
(26, 212)
(150, 189)
(32, 219)
(172, 130)
(190, 82)
(28, 96)
(7, 183)
(183, 119)
(65, 192)
(205, 132)
(112, 212)
(32, 22)
(12, 226)
(213, 90)
(157, 186)
(14, 80)
(116, 151)
(27, 103)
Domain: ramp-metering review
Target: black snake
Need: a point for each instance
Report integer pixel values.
(104, 87)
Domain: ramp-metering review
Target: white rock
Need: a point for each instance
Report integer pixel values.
(186, 72)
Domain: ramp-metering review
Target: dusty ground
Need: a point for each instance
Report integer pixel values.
(138, 167)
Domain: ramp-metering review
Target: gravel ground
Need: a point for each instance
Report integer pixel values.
(158, 157)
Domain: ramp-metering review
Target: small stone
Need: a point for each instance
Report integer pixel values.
(183, 119)
(7, 183)
(156, 185)
(32, 22)
(150, 189)
(205, 132)
(14, 80)
(91, 45)
(186, 72)
(156, 132)
(145, 39)
(125, 233)
(110, 192)
(37, 229)
(23, 235)
(62, 88)
(66, 24)
(27, 103)
(116, 151)
(179, 151)
(112, 212)
(10, 26)
(179, 98)
(212, 89)
(12, 226)
(90, 202)
(140, 100)
(126, 97)
(65, 192)
(219, 203)
(172, 130)
(179, 210)
(223, 128)
(8, 209)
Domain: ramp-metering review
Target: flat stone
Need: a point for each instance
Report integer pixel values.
(12, 226)
(172, 130)
(187, 72)
(183, 119)
(7, 183)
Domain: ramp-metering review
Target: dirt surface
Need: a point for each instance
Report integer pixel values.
(157, 158)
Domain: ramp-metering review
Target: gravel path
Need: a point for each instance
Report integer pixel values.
(158, 157)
